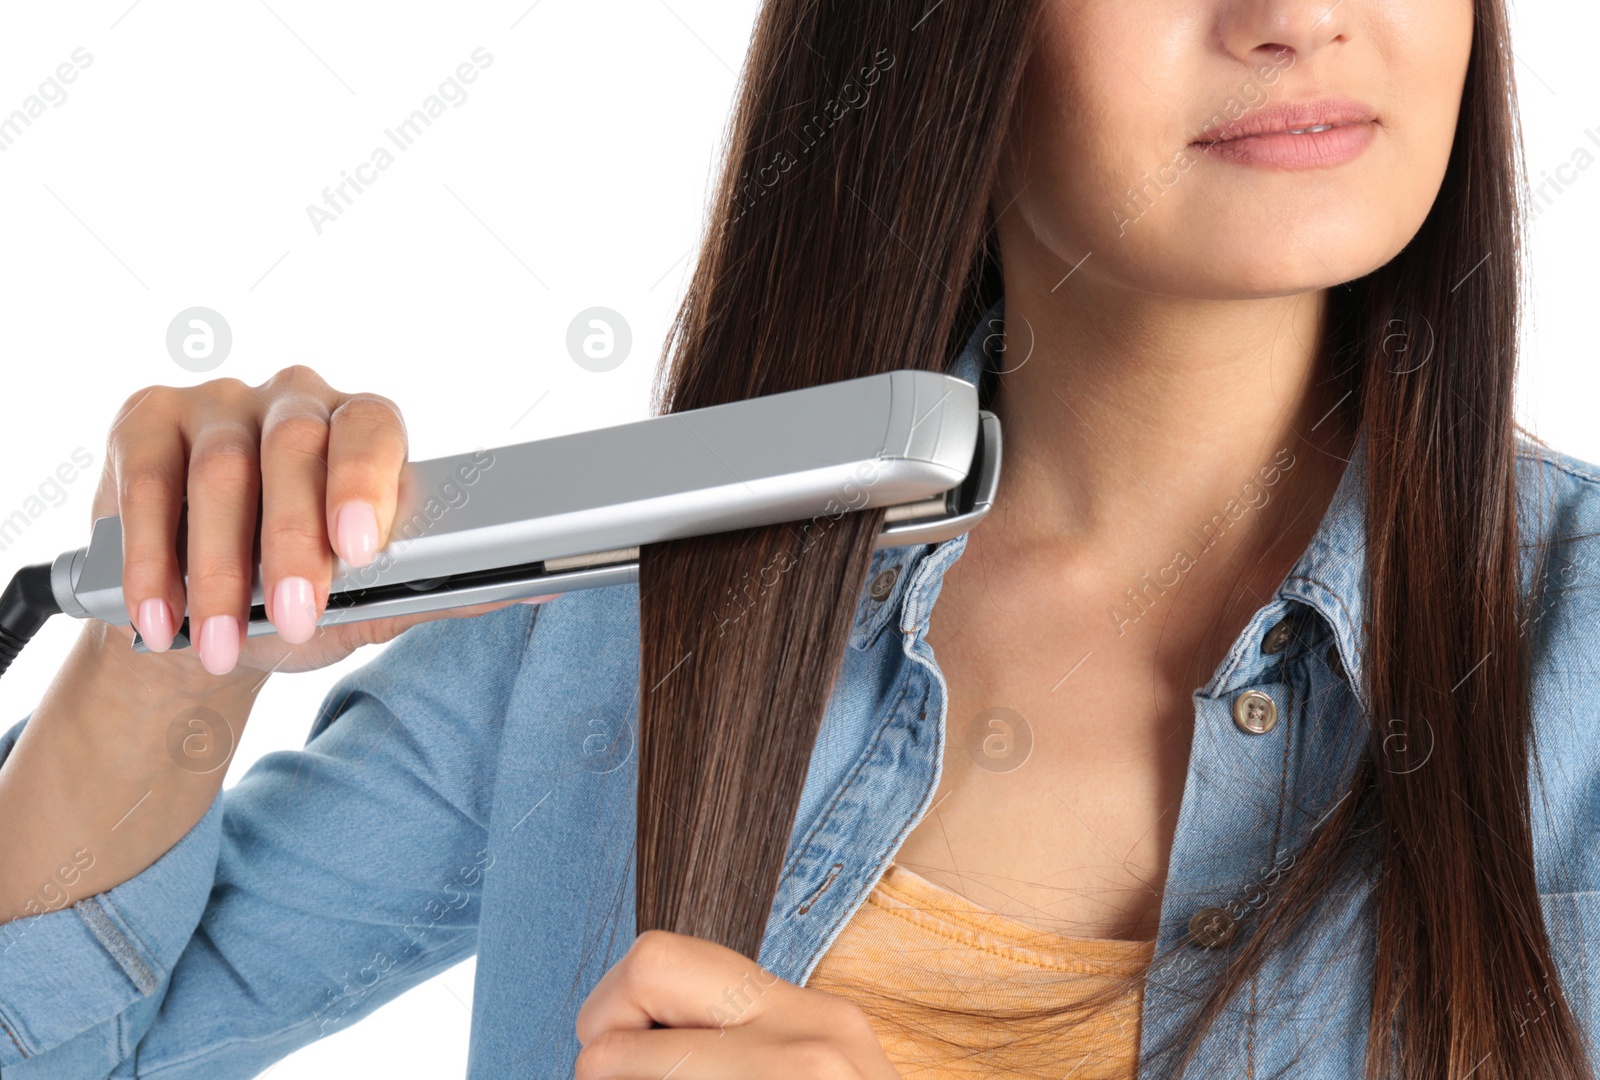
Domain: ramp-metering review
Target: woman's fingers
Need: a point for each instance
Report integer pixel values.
(677, 981)
(296, 551)
(192, 471)
(325, 473)
(145, 478)
(720, 1017)
(644, 1055)
(734, 1053)
(366, 453)
(224, 487)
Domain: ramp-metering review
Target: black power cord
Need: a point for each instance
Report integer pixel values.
(25, 605)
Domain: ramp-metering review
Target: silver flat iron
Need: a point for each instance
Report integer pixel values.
(570, 512)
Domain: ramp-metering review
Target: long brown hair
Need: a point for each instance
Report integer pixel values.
(851, 233)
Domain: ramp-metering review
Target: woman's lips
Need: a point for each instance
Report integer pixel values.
(1321, 146)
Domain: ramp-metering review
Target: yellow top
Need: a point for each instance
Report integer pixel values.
(915, 949)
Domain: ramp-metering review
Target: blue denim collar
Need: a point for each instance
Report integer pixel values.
(973, 358)
(1329, 576)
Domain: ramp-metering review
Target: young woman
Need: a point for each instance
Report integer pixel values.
(1252, 734)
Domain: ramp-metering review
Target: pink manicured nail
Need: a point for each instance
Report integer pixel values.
(294, 610)
(219, 644)
(539, 599)
(358, 533)
(155, 624)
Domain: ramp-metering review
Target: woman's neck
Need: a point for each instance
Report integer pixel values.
(1132, 419)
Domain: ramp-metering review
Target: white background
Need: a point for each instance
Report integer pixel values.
(178, 171)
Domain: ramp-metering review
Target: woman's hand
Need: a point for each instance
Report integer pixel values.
(326, 468)
(721, 1017)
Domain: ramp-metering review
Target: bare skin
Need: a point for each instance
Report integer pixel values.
(1169, 362)
(1157, 357)
(94, 791)
(1076, 839)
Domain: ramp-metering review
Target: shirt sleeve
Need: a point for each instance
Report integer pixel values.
(324, 883)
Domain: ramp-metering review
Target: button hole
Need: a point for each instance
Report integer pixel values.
(820, 889)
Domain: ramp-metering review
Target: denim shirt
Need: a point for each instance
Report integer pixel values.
(471, 790)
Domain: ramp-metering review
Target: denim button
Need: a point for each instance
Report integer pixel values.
(1212, 927)
(883, 584)
(1255, 713)
(1278, 637)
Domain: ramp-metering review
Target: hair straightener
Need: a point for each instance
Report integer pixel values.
(570, 512)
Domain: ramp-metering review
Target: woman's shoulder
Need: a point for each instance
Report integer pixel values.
(1559, 495)
(1560, 498)
(1542, 458)
(1560, 503)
